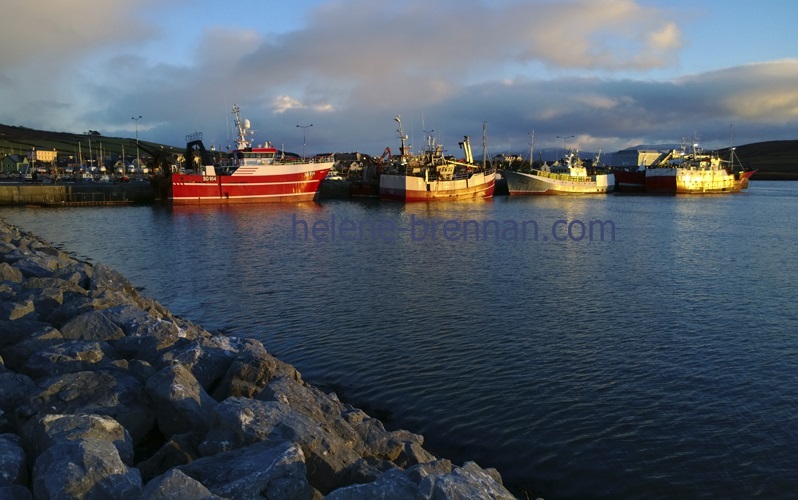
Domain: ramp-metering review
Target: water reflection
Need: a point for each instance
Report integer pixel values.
(661, 363)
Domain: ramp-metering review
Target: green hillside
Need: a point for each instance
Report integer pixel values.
(773, 160)
(20, 140)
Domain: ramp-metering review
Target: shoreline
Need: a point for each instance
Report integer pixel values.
(106, 393)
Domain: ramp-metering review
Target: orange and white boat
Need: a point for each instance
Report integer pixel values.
(433, 177)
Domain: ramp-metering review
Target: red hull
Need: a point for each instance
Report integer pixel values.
(292, 187)
(630, 180)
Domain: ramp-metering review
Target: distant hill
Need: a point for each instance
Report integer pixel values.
(19, 140)
(773, 160)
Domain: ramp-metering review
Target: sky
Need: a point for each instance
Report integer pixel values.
(331, 75)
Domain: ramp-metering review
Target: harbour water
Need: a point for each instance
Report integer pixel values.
(658, 362)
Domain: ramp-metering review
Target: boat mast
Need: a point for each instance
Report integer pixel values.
(484, 144)
(242, 126)
(531, 149)
(402, 137)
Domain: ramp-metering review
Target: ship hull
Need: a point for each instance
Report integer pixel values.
(363, 189)
(520, 183)
(630, 181)
(412, 189)
(283, 183)
(690, 181)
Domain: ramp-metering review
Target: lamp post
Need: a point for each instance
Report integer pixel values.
(564, 138)
(304, 135)
(138, 160)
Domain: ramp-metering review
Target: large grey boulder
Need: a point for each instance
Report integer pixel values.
(45, 298)
(147, 337)
(207, 358)
(181, 404)
(181, 449)
(18, 354)
(15, 492)
(84, 469)
(18, 309)
(14, 332)
(393, 484)
(14, 390)
(468, 481)
(251, 371)
(104, 277)
(313, 403)
(176, 485)
(13, 461)
(268, 469)
(91, 325)
(10, 273)
(45, 431)
(70, 356)
(102, 392)
(243, 421)
(36, 266)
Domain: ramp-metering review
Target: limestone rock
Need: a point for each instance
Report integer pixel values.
(10, 273)
(23, 308)
(13, 461)
(47, 430)
(181, 404)
(14, 390)
(251, 371)
(468, 481)
(89, 469)
(102, 392)
(270, 469)
(243, 421)
(176, 485)
(91, 325)
(391, 485)
(70, 356)
(208, 359)
(179, 450)
(17, 355)
(14, 332)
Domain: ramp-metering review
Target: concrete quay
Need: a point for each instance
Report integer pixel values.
(63, 194)
(106, 394)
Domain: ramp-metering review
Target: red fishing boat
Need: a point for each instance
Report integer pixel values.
(246, 174)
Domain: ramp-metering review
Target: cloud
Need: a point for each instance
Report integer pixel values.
(579, 67)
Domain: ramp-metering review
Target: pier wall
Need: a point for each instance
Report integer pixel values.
(106, 394)
(89, 193)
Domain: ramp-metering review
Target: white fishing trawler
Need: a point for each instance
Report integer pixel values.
(569, 176)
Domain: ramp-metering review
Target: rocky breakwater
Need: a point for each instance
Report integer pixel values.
(105, 394)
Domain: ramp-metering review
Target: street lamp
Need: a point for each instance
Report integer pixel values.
(304, 134)
(564, 149)
(138, 160)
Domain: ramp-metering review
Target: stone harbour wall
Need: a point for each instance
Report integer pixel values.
(105, 394)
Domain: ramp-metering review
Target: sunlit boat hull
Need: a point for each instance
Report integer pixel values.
(285, 183)
(695, 181)
(521, 183)
(411, 188)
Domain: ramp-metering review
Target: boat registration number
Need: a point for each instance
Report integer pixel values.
(209, 178)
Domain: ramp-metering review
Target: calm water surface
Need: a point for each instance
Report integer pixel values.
(663, 363)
